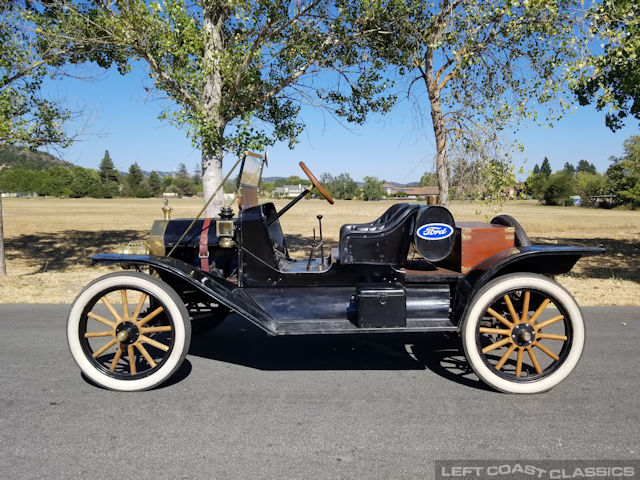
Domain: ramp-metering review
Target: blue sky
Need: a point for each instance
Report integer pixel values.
(394, 147)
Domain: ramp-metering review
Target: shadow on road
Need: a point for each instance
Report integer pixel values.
(237, 341)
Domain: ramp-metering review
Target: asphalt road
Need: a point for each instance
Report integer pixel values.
(248, 406)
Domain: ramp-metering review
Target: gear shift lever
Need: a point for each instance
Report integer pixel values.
(321, 243)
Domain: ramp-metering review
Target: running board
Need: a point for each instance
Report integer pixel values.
(339, 326)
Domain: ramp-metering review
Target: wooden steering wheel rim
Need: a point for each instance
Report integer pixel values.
(316, 183)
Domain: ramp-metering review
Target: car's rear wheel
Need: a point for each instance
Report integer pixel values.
(128, 331)
(523, 333)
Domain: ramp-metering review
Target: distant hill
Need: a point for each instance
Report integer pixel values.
(410, 184)
(29, 159)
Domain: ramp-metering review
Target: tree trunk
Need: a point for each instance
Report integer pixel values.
(439, 128)
(440, 133)
(3, 267)
(211, 178)
(213, 124)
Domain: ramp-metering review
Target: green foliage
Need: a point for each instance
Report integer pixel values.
(589, 184)
(485, 65)
(292, 180)
(569, 168)
(134, 183)
(185, 186)
(612, 78)
(623, 176)
(234, 72)
(341, 187)
(26, 118)
(535, 185)
(20, 180)
(559, 187)
(181, 171)
(85, 183)
(429, 179)
(545, 168)
(586, 167)
(197, 175)
(372, 189)
(536, 169)
(134, 178)
(154, 183)
(56, 182)
(107, 170)
(267, 187)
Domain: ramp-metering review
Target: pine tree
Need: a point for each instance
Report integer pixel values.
(182, 171)
(584, 166)
(197, 174)
(108, 173)
(545, 168)
(569, 168)
(155, 184)
(134, 181)
(536, 169)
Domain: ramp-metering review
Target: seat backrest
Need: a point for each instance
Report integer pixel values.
(382, 223)
(386, 242)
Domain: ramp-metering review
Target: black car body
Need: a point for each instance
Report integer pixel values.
(369, 284)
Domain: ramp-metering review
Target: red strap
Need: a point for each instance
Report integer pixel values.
(204, 245)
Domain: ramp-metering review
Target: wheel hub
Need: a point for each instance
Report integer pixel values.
(127, 333)
(523, 335)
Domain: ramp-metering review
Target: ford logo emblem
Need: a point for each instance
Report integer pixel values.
(435, 231)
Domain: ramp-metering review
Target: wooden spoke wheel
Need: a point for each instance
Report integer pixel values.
(128, 331)
(523, 333)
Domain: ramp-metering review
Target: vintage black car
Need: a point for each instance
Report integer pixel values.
(414, 269)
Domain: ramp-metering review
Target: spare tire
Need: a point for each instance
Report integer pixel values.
(521, 238)
(435, 233)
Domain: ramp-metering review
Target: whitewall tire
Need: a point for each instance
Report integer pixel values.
(523, 333)
(128, 331)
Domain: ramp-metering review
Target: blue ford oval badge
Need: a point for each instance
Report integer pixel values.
(435, 231)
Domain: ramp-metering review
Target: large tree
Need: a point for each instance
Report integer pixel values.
(234, 72)
(611, 77)
(27, 119)
(483, 65)
(623, 176)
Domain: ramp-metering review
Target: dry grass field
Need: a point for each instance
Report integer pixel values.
(49, 241)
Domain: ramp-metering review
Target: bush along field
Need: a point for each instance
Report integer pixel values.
(619, 185)
(49, 241)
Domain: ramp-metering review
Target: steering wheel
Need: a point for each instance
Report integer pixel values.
(316, 183)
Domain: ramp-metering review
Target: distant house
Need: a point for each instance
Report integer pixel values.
(288, 191)
(417, 192)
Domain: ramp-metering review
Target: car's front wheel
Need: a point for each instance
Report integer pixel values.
(128, 331)
(523, 333)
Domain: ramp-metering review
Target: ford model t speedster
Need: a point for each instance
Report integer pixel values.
(414, 269)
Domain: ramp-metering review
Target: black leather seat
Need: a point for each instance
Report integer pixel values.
(371, 226)
(385, 241)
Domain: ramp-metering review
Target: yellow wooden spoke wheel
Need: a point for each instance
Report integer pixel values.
(128, 331)
(523, 333)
